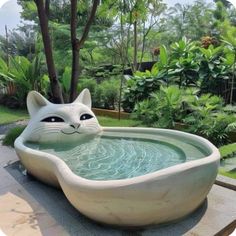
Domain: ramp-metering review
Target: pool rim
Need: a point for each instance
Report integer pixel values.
(71, 177)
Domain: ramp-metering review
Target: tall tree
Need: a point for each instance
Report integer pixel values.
(225, 2)
(183, 20)
(78, 44)
(19, 42)
(139, 17)
(43, 12)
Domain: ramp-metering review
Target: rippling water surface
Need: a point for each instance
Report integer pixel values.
(110, 158)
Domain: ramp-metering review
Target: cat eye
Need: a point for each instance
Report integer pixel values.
(53, 119)
(85, 117)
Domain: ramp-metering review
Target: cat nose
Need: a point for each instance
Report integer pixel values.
(75, 126)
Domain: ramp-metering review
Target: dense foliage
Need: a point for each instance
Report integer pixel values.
(192, 47)
(19, 77)
(203, 115)
(186, 63)
(105, 94)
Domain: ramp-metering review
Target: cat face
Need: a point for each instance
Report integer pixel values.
(53, 122)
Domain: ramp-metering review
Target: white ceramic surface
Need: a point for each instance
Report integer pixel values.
(154, 198)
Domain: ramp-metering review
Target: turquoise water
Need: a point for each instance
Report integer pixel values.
(110, 158)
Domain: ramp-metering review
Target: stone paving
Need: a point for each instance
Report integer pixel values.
(29, 207)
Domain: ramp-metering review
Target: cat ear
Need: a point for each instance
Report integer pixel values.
(35, 101)
(85, 98)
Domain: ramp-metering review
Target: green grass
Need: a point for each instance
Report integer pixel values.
(231, 174)
(107, 121)
(9, 115)
(227, 150)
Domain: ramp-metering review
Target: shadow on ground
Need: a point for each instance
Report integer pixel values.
(55, 202)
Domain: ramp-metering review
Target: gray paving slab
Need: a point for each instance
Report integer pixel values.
(226, 182)
(7, 155)
(217, 215)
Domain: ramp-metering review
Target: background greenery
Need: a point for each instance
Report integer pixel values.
(188, 75)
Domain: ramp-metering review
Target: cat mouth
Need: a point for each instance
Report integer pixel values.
(74, 132)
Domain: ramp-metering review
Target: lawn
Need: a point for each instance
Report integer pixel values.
(227, 150)
(231, 174)
(107, 121)
(9, 115)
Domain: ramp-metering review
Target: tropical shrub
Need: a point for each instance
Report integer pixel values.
(165, 107)
(215, 126)
(109, 93)
(230, 109)
(184, 65)
(139, 87)
(90, 84)
(208, 119)
(204, 115)
(214, 70)
(104, 94)
(25, 76)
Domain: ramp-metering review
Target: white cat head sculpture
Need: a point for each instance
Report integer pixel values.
(53, 122)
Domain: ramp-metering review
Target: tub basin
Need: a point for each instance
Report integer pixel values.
(153, 198)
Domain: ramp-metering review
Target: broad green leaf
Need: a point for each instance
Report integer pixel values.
(3, 66)
(154, 70)
(163, 55)
(230, 58)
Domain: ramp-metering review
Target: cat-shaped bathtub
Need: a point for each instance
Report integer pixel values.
(152, 198)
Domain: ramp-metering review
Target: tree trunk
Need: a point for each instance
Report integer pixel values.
(123, 62)
(77, 44)
(75, 52)
(7, 48)
(232, 81)
(135, 46)
(74, 74)
(47, 8)
(145, 34)
(54, 83)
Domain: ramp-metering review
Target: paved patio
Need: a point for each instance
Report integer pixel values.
(29, 207)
